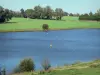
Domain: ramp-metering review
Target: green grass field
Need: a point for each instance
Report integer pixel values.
(76, 69)
(22, 24)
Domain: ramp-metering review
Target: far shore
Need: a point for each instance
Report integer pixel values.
(40, 30)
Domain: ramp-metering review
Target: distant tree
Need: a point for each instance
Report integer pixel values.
(90, 14)
(1, 11)
(48, 12)
(17, 14)
(30, 13)
(38, 11)
(5, 14)
(2, 15)
(71, 14)
(86, 14)
(77, 14)
(54, 15)
(23, 13)
(65, 13)
(59, 13)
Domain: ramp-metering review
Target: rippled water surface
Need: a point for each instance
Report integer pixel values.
(68, 46)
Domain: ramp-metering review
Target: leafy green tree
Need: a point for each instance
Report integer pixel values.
(38, 11)
(5, 14)
(71, 14)
(30, 13)
(59, 13)
(1, 11)
(65, 13)
(48, 12)
(27, 65)
(23, 13)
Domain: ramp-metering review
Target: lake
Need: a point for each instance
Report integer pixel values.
(68, 46)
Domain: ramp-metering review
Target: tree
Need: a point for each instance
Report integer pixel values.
(5, 14)
(2, 17)
(98, 12)
(45, 27)
(38, 11)
(1, 10)
(65, 13)
(59, 13)
(23, 13)
(90, 14)
(48, 12)
(27, 65)
(71, 14)
(86, 14)
(77, 14)
(30, 13)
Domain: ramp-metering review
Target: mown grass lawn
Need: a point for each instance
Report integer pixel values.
(36, 24)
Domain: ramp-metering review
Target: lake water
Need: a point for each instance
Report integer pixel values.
(68, 46)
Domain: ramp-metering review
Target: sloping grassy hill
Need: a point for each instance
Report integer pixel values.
(24, 24)
(90, 68)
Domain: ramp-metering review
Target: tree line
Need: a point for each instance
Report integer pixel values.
(39, 12)
(91, 16)
(47, 12)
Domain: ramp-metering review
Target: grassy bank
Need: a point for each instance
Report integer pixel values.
(89, 68)
(23, 24)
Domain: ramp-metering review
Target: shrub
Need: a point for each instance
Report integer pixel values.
(45, 27)
(95, 18)
(27, 65)
(46, 65)
(95, 65)
(77, 62)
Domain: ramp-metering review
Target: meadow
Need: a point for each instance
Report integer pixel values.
(67, 22)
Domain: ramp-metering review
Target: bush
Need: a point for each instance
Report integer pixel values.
(95, 18)
(45, 27)
(46, 65)
(95, 65)
(77, 62)
(27, 65)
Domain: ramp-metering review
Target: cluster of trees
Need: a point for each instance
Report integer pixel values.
(47, 12)
(90, 16)
(5, 14)
(43, 13)
(27, 65)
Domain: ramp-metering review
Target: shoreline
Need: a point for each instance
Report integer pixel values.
(40, 30)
